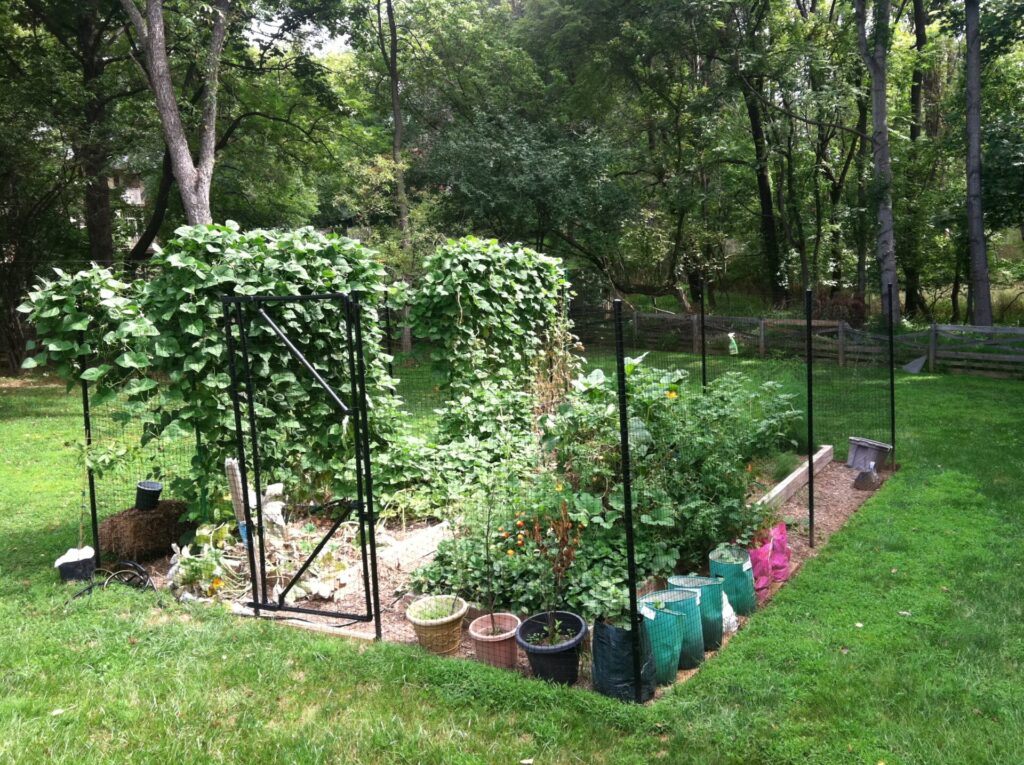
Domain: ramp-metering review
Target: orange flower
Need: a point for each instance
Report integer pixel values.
(520, 542)
(511, 553)
(519, 524)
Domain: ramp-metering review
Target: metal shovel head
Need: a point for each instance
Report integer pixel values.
(916, 365)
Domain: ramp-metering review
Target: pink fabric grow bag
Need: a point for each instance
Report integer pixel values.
(770, 561)
(780, 553)
(760, 562)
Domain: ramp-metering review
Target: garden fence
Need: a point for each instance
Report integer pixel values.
(839, 381)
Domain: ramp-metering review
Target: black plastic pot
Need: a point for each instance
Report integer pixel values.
(147, 494)
(77, 571)
(558, 663)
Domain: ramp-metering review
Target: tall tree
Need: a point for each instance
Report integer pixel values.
(91, 77)
(874, 49)
(981, 313)
(193, 175)
(387, 42)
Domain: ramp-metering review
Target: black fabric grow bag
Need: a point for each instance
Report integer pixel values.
(613, 663)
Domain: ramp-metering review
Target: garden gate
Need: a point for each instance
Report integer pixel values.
(239, 312)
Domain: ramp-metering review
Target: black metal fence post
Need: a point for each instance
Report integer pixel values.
(808, 310)
(243, 337)
(627, 498)
(363, 444)
(892, 380)
(387, 340)
(703, 341)
(236, 405)
(87, 417)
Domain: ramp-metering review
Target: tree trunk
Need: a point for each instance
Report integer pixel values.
(915, 303)
(917, 79)
(876, 61)
(981, 296)
(955, 294)
(156, 218)
(194, 176)
(861, 222)
(98, 216)
(92, 154)
(769, 229)
(391, 59)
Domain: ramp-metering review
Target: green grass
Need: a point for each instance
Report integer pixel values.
(143, 679)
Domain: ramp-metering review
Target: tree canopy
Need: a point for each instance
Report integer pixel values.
(652, 145)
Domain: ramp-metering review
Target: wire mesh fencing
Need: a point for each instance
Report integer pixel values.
(125, 454)
(675, 428)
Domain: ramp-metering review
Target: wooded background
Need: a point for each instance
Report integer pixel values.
(763, 147)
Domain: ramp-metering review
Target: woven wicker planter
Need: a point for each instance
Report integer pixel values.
(440, 635)
(497, 648)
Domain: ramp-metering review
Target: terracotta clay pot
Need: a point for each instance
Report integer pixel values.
(498, 649)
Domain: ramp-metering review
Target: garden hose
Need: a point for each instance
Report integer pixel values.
(125, 572)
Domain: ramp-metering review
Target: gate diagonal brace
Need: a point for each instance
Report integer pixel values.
(349, 507)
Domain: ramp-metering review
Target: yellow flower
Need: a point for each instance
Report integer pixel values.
(558, 487)
(215, 584)
(511, 553)
(671, 394)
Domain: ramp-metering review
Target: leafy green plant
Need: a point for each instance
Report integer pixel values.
(434, 607)
(690, 486)
(90, 326)
(486, 307)
(125, 337)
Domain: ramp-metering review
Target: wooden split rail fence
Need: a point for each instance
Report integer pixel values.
(991, 351)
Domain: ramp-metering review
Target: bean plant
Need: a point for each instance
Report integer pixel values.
(159, 345)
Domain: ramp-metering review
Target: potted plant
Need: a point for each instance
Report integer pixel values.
(437, 621)
(613, 672)
(494, 634)
(552, 639)
(78, 563)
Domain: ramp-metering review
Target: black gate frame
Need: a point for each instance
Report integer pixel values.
(236, 315)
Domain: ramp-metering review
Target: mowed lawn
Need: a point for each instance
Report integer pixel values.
(903, 642)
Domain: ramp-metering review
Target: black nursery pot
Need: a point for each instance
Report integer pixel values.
(147, 494)
(77, 571)
(558, 663)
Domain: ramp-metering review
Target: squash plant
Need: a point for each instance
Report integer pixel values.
(90, 326)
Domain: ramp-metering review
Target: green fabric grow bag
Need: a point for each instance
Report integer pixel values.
(612, 672)
(738, 578)
(710, 589)
(666, 630)
(684, 603)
